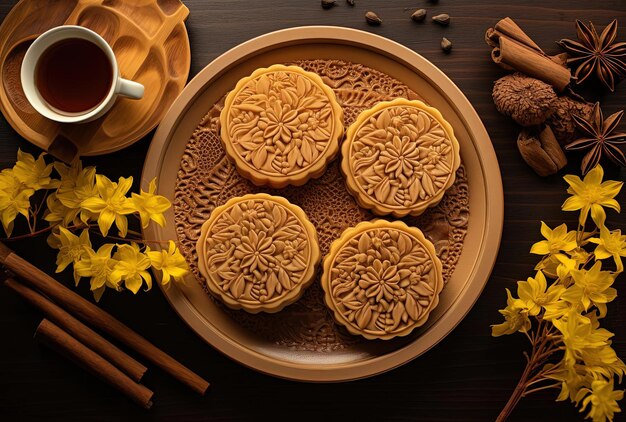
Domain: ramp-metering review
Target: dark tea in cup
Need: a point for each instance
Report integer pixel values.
(74, 75)
(70, 75)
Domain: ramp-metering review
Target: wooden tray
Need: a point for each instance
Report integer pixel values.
(150, 42)
(217, 325)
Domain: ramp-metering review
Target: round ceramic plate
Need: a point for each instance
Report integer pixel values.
(484, 229)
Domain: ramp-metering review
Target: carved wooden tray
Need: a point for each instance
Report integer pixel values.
(150, 42)
(301, 342)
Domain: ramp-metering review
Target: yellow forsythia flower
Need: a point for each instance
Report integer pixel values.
(580, 335)
(14, 199)
(591, 287)
(150, 206)
(591, 194)
(557, 240)
(535, 293)
(515, 317)
(111, 204)
(77, 184)
(34, 174)
(131, 267)
(603, 400)
(72, 249)
(99, 266)
(170, 262)
(610, 244)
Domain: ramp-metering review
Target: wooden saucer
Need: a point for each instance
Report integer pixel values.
(150, 42)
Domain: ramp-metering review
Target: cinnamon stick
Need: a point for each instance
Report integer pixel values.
(60, 341)
(80, 331)
(96, 317)
(514, 50)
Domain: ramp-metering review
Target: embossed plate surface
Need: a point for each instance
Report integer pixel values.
(323, 353)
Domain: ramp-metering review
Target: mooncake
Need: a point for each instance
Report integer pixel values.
(382, 279)
(281, 126)
(399, 157)
(258, 253)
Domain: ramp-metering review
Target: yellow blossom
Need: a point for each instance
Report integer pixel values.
(111, 204)
(515, 316)
(557, 240)
(603, 400)
(14, 199)
(610, 244)
(591, 287)
(77, 184)
(566, 265)
(572, 379)
(72, 249)
(535, 293)
(579, 334)
(56, 212)
(34, 174)
(150, 206)
(556, 309)
(99, 266)
(591, 194)
(603, 362)
(171, 263)
(131, 267)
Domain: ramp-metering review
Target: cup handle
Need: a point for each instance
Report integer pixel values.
(130, 89)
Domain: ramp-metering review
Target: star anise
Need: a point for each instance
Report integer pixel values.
(599, 138)
(598, 54)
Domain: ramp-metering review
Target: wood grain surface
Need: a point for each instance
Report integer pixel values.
(467, 377)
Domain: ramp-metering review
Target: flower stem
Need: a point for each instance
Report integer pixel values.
(542, 348)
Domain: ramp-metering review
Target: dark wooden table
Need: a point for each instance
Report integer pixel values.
(469, 376)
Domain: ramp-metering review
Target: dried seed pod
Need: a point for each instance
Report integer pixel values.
(541, 150)
(419, 15)
(446, 44)
(351, 2)
(443, 19)
(526, 100)
(561, 120)
(373, 19)
(327, 4)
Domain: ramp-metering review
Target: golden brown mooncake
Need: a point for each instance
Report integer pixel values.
(382, 279)
(399, 157)
(281, 126)
(258, 253)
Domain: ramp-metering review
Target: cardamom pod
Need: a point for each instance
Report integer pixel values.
(443, 19)
(351, 2)
(373, 19)
(327, 4)
(446, 44)
(419, 15)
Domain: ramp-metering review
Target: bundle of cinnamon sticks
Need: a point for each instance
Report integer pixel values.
(64, 329)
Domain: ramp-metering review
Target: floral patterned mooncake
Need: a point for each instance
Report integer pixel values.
(258, 253)
(281, 126)
(382, 279)
(399, 157)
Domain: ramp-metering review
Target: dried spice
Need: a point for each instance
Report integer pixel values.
(443, 19)
(599, 138)
(351, 2)
(541, 151)
(597, 55)
(373, 19)
(419, 15)
(561, 120)
(327, 4)
(446, 45)
(514, 50)
(526, 100)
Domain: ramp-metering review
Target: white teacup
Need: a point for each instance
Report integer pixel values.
(119, 86)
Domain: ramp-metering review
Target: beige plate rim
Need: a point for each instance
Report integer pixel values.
(492, 224)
